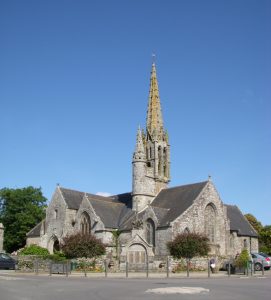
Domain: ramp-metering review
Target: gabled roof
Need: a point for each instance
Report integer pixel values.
(239, 223)
(112, 210)
(176, 200)
(35, 232)
(72, 198)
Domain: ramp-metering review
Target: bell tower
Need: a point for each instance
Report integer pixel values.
(151, 160)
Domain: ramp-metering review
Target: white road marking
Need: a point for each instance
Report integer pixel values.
(179, 290)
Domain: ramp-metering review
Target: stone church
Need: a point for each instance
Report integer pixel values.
(152, 213)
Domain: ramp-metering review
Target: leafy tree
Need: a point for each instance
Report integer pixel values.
(264, 233)
(82, 245)
(257, 225)
(20, 210)
(189, 245)
(265, 239)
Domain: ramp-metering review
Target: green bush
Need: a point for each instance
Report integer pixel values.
(82, 245)
(243, 259)
(57, 256)
(189, 245)
(34, 250)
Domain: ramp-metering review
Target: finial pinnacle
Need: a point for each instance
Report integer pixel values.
(153, 58)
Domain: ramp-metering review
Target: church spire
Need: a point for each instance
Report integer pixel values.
(154, 114)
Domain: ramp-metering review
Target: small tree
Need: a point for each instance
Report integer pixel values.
(242, 260)
(189, 245)
(82, 245)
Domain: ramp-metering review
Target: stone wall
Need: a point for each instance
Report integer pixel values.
(193, 219)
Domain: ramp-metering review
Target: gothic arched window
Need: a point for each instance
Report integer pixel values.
(150, 232)
(85, 224)
(210, 222)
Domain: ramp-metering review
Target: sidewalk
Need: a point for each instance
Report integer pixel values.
(121, 275)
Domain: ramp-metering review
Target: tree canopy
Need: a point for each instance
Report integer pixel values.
(264, 233)
(257, 225)
(20, 210)
(82, 245)
(189, 245)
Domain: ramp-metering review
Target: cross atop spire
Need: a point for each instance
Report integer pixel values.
(154, 114)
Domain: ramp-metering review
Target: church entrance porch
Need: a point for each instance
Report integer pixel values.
(53, 245)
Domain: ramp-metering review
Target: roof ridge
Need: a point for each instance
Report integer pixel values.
(107, 201)
(153, 206)
(189, 184)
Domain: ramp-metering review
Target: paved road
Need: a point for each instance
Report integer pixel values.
(28, 287)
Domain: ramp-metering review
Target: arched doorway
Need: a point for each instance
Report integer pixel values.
(56, 246)
(53, 245)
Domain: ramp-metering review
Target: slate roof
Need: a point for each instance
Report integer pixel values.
(239, 223)
(72, 198)
(176, 200)
(111, 210)
(116, 211)
(35, 232)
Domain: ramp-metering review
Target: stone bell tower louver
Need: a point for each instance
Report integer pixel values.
(151, 160)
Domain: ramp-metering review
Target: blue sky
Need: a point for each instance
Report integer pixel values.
(74, 80)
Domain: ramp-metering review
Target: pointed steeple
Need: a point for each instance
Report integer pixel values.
(154, 114)
(139, 153)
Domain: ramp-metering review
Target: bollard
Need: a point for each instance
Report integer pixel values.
(126, 269)
(208, 264)
(187, 268)
(262, 269)
(105, 268)
(50, 269)
(229, 269)
(147, 267)
(167, 266)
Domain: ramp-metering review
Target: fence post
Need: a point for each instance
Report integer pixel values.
(187, 266)
(247, 268)
(262, 269)
(66, 268)
(167, 266)
(208, 266)
(36, 266)
(126, 269)
(147, 266)
(85, 271)
(105, 268)
(50, 269)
